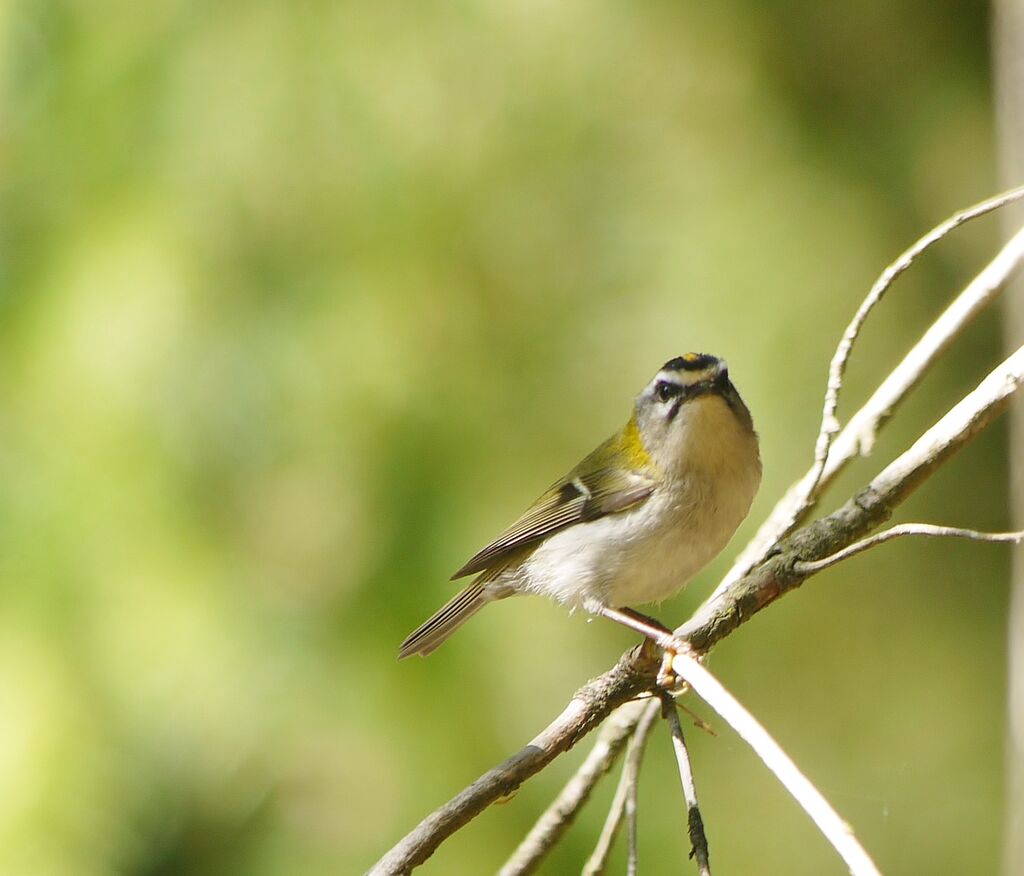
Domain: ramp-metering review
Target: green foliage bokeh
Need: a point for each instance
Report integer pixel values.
(301, 301)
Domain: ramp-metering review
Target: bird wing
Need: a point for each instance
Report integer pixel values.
(594, 488)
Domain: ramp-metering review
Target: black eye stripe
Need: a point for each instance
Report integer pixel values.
(666, 389)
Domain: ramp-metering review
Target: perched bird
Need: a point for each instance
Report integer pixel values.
(636, 519)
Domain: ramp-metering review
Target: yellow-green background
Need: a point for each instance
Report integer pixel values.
(301, 301)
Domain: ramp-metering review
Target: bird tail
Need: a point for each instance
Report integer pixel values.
(426, 637)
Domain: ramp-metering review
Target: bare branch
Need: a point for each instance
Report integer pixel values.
(963, 422)
(835, 830)
(598, 860)
(903, 529)
(837, 368)
(636, 671)
(858, 436)
(631, 776)
(557, 818)
(694, 822)
(597, 863)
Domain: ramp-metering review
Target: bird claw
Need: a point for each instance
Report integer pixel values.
(667, 679)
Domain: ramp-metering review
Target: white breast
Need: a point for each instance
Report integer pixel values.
(649, 553)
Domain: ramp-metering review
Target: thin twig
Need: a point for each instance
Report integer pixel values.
(631, 773)
(557, 818)
(926, 529)
(835, 830)
(858, 436)
(598, 860)
(698, 721)
(694, 822)
(632, 842)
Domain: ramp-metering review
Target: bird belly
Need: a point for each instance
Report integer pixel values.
(628, 557)
(643, 555)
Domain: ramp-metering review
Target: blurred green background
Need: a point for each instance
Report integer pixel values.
(300, 302)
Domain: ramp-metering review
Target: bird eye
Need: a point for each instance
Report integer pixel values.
(665, 390)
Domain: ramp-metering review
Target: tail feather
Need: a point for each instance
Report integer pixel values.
(426, 637)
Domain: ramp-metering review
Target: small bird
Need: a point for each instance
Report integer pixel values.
(636, 519)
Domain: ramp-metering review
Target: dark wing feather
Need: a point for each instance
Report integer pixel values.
(586, 493)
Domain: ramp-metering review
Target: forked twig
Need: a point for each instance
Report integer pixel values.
(837, 368)
(557, 818)
(857, 437)
(598, 860)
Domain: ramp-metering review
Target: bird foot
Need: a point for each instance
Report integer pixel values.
(667, 679)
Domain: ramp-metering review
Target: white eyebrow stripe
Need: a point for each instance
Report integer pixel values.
(687, 378)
